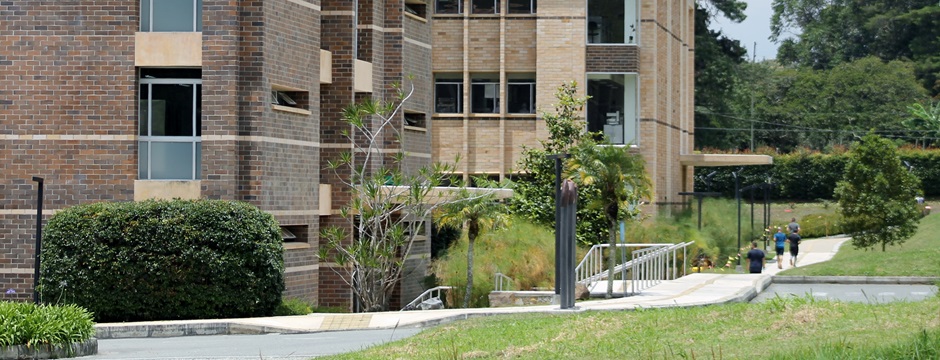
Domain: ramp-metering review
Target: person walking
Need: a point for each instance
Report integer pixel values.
(780, 241)
(794, 239)
(756, 260)
(793, 226)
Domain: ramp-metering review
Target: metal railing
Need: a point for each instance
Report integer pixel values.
(426, 295)
(648, 265)
(499, 280)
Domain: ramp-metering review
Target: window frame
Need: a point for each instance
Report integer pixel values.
(495, 85)
(150, 139)
(458, 103)
(532, 98)
(496, 6)
(533, 7)
(635, 115)
(437, 8)
(197, 16)
(630, 36)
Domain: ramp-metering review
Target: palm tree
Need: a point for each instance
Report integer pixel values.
(621, 180)
(479, 212)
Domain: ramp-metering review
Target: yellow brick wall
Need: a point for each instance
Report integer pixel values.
(520, 45)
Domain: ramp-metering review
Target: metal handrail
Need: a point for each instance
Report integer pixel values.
(499, 279)
(646, 268)
(425, 296)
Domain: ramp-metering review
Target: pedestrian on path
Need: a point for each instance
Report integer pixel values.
(756, 260)
(794, 240)
(793, 226)
(780, 240)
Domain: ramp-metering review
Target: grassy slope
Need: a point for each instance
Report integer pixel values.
(783, 329)
(919, 256)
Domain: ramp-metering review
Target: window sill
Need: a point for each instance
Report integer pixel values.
(416, 17)
(612, 44)
(296, 245)
(521, 116)
(290, 109)
(485, 115)
(416, 128)
(448, 115)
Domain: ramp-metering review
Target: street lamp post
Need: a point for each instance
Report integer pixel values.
(38, 240)
(737, 198)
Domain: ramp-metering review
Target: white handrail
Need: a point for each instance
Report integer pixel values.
(499, 279)
(646, 268)
(425, 296)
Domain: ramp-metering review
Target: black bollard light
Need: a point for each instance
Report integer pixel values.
(38, 240)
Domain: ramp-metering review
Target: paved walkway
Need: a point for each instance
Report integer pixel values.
(691, 290)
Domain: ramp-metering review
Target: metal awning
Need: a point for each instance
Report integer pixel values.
(724, 160)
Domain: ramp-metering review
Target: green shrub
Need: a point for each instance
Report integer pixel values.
(164, 260)
(292, 306)
(524, 252)
(32, 325)
(820, 225)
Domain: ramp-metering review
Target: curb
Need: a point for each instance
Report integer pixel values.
(84, 348)
(853, 280)
(114, 331)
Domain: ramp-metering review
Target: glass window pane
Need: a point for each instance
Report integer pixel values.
(606, 21)
(198, 160)
(448, 7)
(448, 98)
(143, 160)
(198, 117)
(485, 6)
(606, 106)
(521, 99)
(145, 15)
(173, 15)
(198, 15)
(521, 6)
(171, 110)
(484, 98)
(171, 160)
(144, 111)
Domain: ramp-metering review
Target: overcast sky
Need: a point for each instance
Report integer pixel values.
(756, 28)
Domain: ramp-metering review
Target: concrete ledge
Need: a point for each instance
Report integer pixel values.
(85, 348)
(520, 298)
(902, 280)
(118, 331)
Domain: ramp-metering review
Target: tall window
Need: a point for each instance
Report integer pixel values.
(522, 6)
(170, 15)
(521, 96)
(448, 94)
(484, 96)
(448, 6)
(612, 22)
(170, 124)
(485, 6)
(612, 107)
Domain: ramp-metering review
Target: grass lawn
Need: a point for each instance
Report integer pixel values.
(798, 328)
(918, 256)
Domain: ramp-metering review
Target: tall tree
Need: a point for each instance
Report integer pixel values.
(877, 194)
(479, 214)
(622, 182)
(717, 58)
(371, 260)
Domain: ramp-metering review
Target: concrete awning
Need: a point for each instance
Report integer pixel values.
(444, 193)
(724, 160)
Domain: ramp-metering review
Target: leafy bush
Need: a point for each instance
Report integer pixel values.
(163, 260)
(820, 225)
(32, 325)
(292, 306)
(525, 252)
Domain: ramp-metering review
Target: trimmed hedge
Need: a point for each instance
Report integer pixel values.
(811, 176)
(164, 260)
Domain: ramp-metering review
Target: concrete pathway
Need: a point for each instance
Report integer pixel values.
(690, 290)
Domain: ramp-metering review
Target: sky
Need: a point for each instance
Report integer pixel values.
(756, 28)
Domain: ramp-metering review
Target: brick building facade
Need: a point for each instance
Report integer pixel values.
(123, 100)
(633, 57)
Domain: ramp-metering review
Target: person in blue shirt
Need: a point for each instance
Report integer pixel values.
(780, 240)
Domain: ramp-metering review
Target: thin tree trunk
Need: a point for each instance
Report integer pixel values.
(471, 236)
(611, 258)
